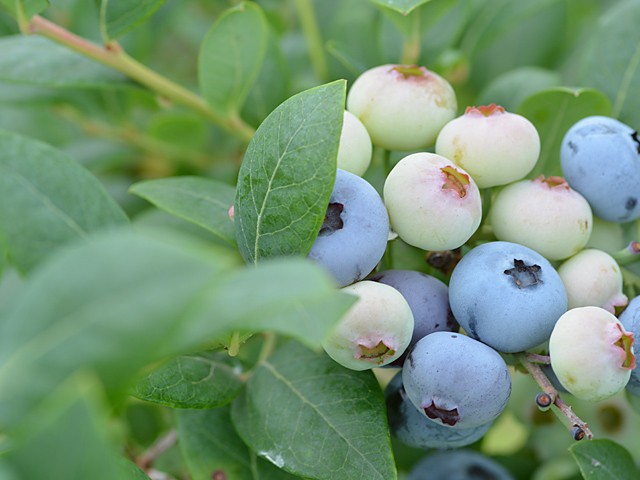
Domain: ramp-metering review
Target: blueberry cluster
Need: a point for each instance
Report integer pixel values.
(505, 293)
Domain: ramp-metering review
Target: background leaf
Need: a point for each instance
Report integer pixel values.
(287, 174)
(553, 112)
(120, 16)
(402, 6)
(31, 7)
(205, 380)
(209, 444)
(204, 202)
(612, 60)
(52, 65)
(46, 200)
(73, 424)
(603, 459)
(315, 418)
(231, 56)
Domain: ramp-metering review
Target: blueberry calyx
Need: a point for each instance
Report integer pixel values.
(524, 275)
(376, 353)
(634, 137)
(332, 219)
(447, 417)
(455, 180)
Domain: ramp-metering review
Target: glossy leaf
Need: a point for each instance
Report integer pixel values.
(120, 16)
(52, 65)
(315, 418)
(401, 6)
(47, 200)
(210, 444)
(204, 202)
(205, 380)
(231, 56)
(287, 175)
(553, 112)
(612, 60)
(603, 459)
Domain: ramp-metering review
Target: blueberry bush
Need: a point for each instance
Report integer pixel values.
(319, 239)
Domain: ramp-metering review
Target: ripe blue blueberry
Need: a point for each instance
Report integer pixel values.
(413, 428)
(354, 234)
(600, 158)
(428, 298)
(458, 465)
(507, 296)
(455, 380)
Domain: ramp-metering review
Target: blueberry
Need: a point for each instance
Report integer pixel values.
(630, 319)
(413, 428)
(458, 465)
(456, 381)
(428, 298)
(600, 159)
(354, 153)
(507, 296)
(494, 146)
(402, 106)
(375, 331)
(355, 231)
(591, 353)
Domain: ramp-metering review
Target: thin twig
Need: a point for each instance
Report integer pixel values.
(164, 443)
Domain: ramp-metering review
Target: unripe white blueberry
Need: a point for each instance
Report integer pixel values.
(544, 214)
(432, 203)
(354, 152)
(591, 353)
(494, 146)
(375, 331)
(592, 277)
(403, 107)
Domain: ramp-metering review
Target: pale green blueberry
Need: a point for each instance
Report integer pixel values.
(403, 107)
(592, 277)
(494, 146)
(607, 236)
(354, 152)
(591, 353)
(544, 214)
(432, 203)
(375, 331)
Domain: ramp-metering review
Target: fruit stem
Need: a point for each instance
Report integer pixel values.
(314, 39)
(234, 344)
(578, 428)
(113, 56)
(412, 44)
(629, 254)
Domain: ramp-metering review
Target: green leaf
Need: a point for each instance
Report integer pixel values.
(292, 296)
(31, 7)
(287, 174)
(512, 88)
(612, 60)
(117, 17)
(209, 444)
(111, 304)
(315, 418)
(52, 65)
(202, 201)
(231, 56)
(66, 437)
(205, 380)
(603, 459)
(553, 112)
(404, 7)
(46, 200)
